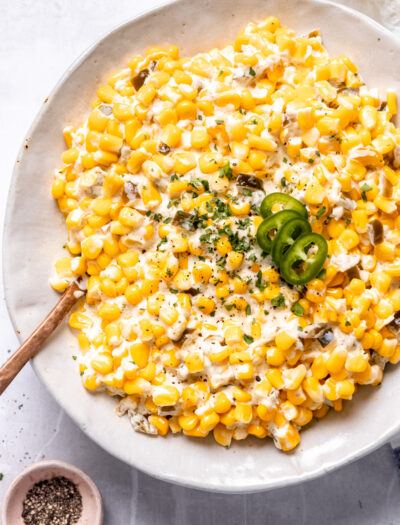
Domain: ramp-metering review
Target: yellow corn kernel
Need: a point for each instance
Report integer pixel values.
(284, 341)
(223, 246)
(384, 204)
(133, 294)
(243, 413)
(194, 362)
(70, 155)
(262, 144)
(313, 389)
(345, 389)
(184, 162)
(315, 193)
(349, 239)
(222, 403)
(202, 272)
(381, 281)
(208, 162)
(102, 364)
(138, 385)
(109, 311)
(146, 94)
(150, 196)
(57, 188)
(91, 247)
(165, 395)
(328, 125)
(222, 435)
(80, 321)
(169, 315)
(160, 423)
(135, 161)
(290, 439)
(199, 138)
(244, 371)
(110, 143)
(186, 110)
(274, 376)
(383, 309)
(257, 160)
(188, 421)
(209, 422)
(385, 251)
(265, 413)
(171, 135)
(90, 381)
(391, 99)
(106, 94)
(383, 144)
(205, 304)
(139, 353)
(336, 360)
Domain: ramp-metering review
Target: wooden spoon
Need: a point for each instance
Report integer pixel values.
(35, 341)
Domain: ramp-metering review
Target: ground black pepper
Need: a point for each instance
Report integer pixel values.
(55, 501)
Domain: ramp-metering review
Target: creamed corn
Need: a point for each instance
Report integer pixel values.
(185, 319)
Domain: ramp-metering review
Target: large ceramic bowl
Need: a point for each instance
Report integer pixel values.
(35, 233)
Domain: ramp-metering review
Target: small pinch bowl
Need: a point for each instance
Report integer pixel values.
(92, 508)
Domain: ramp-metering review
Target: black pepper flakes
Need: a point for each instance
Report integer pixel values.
(55, 501)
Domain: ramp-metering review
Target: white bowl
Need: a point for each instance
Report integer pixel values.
(35, 233)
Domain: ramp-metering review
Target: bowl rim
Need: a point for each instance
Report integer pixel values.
(261, 485)
(66, 468)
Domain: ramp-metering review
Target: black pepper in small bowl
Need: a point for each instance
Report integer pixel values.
(55, 501)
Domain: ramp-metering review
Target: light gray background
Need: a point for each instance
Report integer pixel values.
(38, 41)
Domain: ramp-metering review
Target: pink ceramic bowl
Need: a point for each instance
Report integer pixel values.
(92, 513)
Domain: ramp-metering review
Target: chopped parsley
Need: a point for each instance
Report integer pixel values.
(248, 310)
(218, 122)
(364, 188)
(278, 301)
(252, 72)
(248, 339)
(320, 212)
(259, 284)
(297, 309)
(226, 171)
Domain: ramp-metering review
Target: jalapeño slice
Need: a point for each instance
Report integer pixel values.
(305, 259)
(287, 236)
(286, 202)
(271, 225)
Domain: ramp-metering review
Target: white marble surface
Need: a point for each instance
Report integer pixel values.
(38, 40)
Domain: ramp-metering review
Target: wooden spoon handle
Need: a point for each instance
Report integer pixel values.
(35, 341)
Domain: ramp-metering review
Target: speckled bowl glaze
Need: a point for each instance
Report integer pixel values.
(11, 510)
(35, 232)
